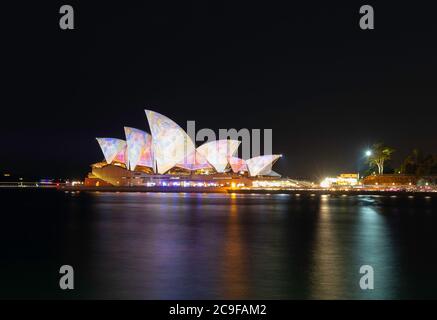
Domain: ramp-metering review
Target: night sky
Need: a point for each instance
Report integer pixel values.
(327, 88)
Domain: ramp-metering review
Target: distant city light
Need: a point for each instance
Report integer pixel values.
(344, 179)
(272, 184)
(326, 183)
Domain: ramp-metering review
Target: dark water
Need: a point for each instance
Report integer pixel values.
(194, 246)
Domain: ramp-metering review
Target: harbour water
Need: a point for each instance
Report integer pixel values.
(216, 246)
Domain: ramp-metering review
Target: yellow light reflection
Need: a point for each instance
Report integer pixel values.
(234, 263)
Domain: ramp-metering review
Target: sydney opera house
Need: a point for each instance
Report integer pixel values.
(169, 157)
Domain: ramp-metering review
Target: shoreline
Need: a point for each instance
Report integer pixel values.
(313, 192)
(303, 192)
(222, 190)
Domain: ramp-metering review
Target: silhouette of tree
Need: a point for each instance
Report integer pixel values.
(380, 154)
(419, 164)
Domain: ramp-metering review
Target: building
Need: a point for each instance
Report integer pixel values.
(168, 157)
(343, 180)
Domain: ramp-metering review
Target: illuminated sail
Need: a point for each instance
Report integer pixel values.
(237, 164)
(110, 147)
(121, 156)
(146, 158)
(171, 145)
(261, 165)
(194, 161)
(137, 143)
(218, 152)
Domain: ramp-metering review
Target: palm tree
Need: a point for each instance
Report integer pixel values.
(379, 154)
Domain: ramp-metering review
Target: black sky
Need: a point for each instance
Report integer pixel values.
(325, 87)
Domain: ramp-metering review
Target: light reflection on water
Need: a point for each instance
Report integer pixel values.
(220, 246)
(241, 246)
(340, 251)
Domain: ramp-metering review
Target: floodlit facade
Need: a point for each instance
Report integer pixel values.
(168, 153)
(343, 180)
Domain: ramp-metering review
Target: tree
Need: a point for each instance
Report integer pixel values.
(411, 163)
(379, 154)
(419, 164)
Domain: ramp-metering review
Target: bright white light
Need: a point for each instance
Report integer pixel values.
(327, 182)
(324, 184)
(368, 153)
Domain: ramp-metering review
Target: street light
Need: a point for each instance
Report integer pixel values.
(368, 153)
